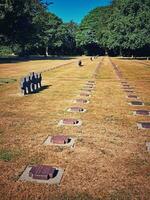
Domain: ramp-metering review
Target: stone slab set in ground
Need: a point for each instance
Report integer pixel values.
(76, 109)
(87, 90)
(83, 101)
(132, 96)
(148, 146)
(42, 174)
(70, 122)
(136, 103)
(85, 94)
(143, 125)
(129, 91)
(141, 112)
(60, 140)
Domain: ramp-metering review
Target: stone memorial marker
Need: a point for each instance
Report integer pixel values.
(148, 146)
(29, 88)
(23, 85)
(141, 112)
(60, 139)
(132, 96)
(143, 125)
(83, 101)
(42, 174)
(72, 122)
(76, 109)
(136, 103)
(84, 94)
(31, 84)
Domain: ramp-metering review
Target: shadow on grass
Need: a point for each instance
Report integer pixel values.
(17, 59)
(44, 87)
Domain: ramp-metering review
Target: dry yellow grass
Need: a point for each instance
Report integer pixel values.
(109, 160)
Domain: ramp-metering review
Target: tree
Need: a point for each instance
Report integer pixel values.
(65, 38)
(46, 27)
(86, 37)
(91, 34)
(129, 26)
(17, 20)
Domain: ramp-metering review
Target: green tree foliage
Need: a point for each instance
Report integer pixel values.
(86, 34)
(65, 38)
(91, 33)
(122, 27)
(46, 27)
(128, 28)
(28, 28)
(17, 21)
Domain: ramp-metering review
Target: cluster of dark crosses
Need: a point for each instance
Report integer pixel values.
(31, 83)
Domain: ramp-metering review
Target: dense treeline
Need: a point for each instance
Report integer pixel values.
(120, 29)
(123, 28)
(28, 28)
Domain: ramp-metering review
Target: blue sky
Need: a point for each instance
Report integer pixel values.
(75, 9)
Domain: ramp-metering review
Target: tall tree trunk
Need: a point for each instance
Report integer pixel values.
(23, 51)
(46, 52)
(120, 52)
(106, 52)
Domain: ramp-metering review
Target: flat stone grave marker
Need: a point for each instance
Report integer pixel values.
(83, 101)
(70, 122)
(136, 103)
(60, 140)
(84, 94)
(132, 96)
(86, 90)
(126, 85)
(91, 81)
(76, 109)
(148, 146)
(92, 84)
(143, 125)
(89, 86)
(129, 91)
(42, 174)
(128, 88)
(141, 112)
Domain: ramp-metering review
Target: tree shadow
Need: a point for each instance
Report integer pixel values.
(18, 59)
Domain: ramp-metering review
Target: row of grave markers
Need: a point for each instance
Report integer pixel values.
(135, 101)
(49, 174)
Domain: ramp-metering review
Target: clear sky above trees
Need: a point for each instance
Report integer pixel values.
(75, 9)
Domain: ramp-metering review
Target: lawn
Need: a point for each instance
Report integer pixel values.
(109, 161)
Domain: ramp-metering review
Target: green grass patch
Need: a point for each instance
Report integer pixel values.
(8, 155)
(6, 81)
